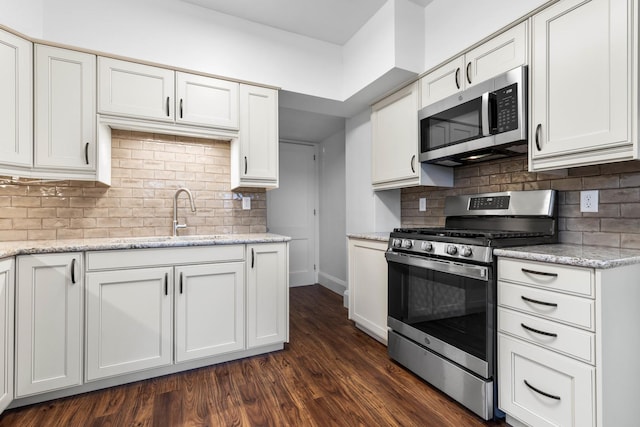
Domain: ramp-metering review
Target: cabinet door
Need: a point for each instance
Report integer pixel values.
(502, 53)
(581, 83)
(6, 332)
(542, 388)
(442, 82)
(48, 322)
(368, 286)
(135, 90)
(16, 100)
(206, 101)
(65, 115)
(394, 122)
(129, 318)
(258, 155)
(209, 304)
(267, 294)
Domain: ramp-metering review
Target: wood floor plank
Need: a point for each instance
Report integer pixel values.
(330, 374)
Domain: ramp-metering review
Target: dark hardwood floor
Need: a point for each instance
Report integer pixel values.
(331, 374)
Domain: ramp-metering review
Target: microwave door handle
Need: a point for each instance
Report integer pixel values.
(486, 110)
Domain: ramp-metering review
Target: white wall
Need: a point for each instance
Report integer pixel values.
(333, 246)
(366, 210)
(453, 25)
(24, 16)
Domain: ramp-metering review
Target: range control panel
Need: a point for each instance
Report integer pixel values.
(489, 202)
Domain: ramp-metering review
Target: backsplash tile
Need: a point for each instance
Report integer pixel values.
(616, 224)
(146, 171)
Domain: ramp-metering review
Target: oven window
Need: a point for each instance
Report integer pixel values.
(458, 124)
(449, 307)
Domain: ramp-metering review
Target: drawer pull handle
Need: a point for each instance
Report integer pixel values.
(550, 396)
(73, 271)
(538, 331)
(535, 301)
(540, 273)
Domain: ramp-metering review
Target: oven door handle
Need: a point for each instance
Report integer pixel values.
(467, 270)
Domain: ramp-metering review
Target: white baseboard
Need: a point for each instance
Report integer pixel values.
(333, 283)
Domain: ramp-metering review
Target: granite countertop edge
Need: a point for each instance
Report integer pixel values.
(14, 248)
(574, 255)
(374, 235)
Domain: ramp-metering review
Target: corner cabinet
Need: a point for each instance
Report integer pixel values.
(583, 84)
(395, 145)
(498, 55)
(368, 286)
(566, 353)
(16, 103)
(254, 154)
(49, 333)
(7, 287)
(267, 294)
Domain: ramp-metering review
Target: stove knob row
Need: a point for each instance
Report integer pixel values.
(464, 251)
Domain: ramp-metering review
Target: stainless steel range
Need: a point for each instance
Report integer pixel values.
(442, 289)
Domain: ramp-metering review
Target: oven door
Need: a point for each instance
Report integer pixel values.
(444, 306)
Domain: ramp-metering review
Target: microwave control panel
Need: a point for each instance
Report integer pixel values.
(506, 108)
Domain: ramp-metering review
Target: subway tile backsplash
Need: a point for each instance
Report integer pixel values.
(616, 224)
(147, 169)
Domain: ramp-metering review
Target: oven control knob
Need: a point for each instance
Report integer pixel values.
(407, 244)
(427, 246)
(452, 250)
(397, 243)
(465, 251)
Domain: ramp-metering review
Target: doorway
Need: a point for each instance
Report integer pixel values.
(291, 209)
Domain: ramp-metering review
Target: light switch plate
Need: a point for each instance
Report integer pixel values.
(423, 204)
(246, 203)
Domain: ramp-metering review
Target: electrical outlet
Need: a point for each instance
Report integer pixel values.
(246, 203)
(423, 204)
(589, 201)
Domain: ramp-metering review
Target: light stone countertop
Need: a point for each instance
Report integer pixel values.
(8, 249)
(576, 255)
(381, 236)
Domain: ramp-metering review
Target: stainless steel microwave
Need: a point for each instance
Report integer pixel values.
(486, 121)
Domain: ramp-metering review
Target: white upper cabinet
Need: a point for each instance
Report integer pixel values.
(395, 145)
(65, 115)
(141, 91)
(206, 101)
(135, 90)
(254, 154)
(583, 84)
(502, 53)
(16, 101)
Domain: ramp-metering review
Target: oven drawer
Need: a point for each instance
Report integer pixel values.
(559, 391)
(562, 278)
(553, 335)
(572, 310)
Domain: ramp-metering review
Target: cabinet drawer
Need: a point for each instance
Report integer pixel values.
(134, 258)
(567, 309)
(543, 388)
(562, 278)
(565, 339)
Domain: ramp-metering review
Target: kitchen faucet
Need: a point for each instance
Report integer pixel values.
(175, 209)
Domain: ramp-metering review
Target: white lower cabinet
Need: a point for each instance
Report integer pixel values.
(6, 332)
(49, 331)
(368, 286)
(267, 294)
(567, 355)
(129, 317)
(209, 307)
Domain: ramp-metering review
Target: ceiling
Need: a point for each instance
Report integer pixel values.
(333, 21)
